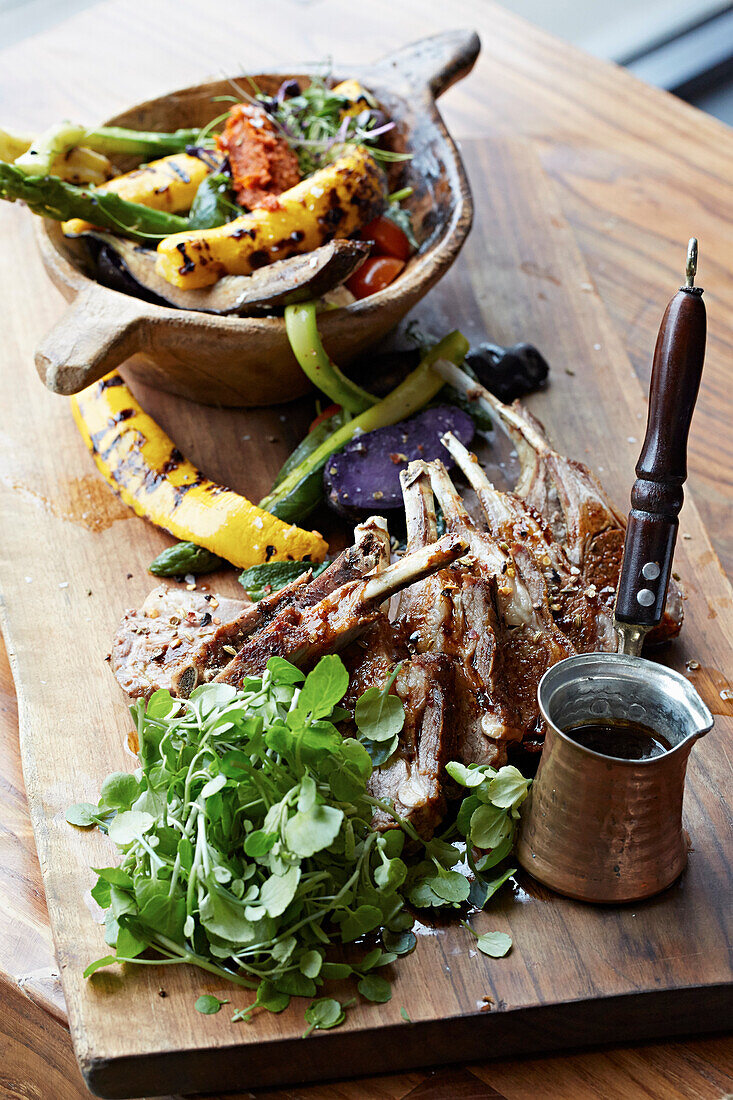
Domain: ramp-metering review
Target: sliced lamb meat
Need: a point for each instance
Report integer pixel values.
(154, 644)
(170, 643)
(303, 635)
(451, 614)
(411, 779)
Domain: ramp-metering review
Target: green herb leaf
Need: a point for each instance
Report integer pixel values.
(129, 826)
(82, 814)
(489, 826)
(98, 964)
(482, 890)
(375, 988)
(379, 716)
(207, 1004)
(324, 687)
(279, 890)
(119, 790)
(399, 943)
(495, 944)
(404, 1014)
(323, 1014)
(508, 789)
(467, 777)
(336, 971)
(261, 580)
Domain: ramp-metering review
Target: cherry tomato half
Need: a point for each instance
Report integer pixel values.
(327, 413)
(374, 274)
(389, 240)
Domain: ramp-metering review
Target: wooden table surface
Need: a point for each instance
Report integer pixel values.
(636, 173)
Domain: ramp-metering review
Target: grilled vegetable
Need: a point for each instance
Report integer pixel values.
(293, 496)
(142, 464)
(358, 97)
(125, 266)
(374, 275)
(263, 580)
(183, 558)
(511, 372)
(76, 165)
(169, 185)
(40, 153)
(332, 203)
(366, 474)
(53, 198)
(302, 329)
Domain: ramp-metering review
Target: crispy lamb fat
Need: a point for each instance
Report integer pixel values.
(572, 503)
(178, 639)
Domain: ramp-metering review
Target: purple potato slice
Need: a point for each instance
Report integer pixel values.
(365, 476)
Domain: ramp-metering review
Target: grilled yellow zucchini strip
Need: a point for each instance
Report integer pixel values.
(360, 99)
(143, 465)
(168, 184)
(333, 202)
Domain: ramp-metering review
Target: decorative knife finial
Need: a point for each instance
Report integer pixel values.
(691, 266)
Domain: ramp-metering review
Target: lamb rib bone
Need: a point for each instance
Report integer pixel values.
(302, 635)
(581, 617)
(570, 499)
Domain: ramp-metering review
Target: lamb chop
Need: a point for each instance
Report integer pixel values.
(571, 501)
(576, 609)
(425, 682)
(303, 634)
(454, 614)
(520, 640)
(178, 639)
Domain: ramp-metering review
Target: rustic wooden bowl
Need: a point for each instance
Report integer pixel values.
(247, 361)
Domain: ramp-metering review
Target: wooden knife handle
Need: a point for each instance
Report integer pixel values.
(657, 496)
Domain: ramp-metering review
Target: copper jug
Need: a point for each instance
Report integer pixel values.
(600, 828)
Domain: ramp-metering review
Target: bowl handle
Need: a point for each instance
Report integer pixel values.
(98, 331)
(434, 63)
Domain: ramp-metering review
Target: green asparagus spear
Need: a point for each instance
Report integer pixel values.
(54, 142)
(53, 198)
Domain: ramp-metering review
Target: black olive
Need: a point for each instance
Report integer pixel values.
(511, 372)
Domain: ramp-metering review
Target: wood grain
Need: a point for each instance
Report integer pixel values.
(631, 168)
(605, 973)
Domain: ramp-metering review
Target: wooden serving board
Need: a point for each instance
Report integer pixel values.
(73, 558)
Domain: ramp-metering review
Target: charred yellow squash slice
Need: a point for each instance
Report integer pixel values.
(333, 202)
(169, 184)
(143, 465)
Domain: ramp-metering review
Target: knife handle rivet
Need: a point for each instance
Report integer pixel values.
(651, 571)
(645, 597)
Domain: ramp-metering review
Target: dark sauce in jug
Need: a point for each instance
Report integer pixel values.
(622, 740)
